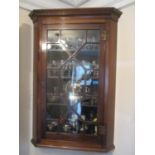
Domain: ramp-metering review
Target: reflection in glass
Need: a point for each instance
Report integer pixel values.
(93, 36)
(53, 36)
(74, 39)
(72, 81)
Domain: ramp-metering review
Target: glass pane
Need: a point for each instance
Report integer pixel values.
(73, 39)
(89, 52)
(72, 82)
(93, 36)
(53, 36)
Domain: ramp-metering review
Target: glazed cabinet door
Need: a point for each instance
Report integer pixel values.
(71, 62)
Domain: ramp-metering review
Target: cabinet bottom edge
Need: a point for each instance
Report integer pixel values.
(55, 145)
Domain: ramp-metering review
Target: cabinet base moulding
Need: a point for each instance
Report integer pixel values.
(70, 145)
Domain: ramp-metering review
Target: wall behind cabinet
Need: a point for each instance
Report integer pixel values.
(124, 115)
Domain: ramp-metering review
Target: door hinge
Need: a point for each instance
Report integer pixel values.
(104, 35)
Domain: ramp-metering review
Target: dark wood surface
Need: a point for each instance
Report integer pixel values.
(110, 13)
(104, 19)
(72, 145)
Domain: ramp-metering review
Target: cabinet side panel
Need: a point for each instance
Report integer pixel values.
(111, 78)
(34, 138)
(35, 83)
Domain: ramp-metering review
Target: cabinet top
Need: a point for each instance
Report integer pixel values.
(108, 12)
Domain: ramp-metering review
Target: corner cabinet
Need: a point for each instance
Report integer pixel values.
(74, 78)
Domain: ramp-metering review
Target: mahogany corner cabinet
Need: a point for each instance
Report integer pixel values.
(74, 78)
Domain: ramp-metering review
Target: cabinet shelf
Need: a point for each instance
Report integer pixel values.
(59, 104)
(56, 119)
(58, 77)
(55, 104)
